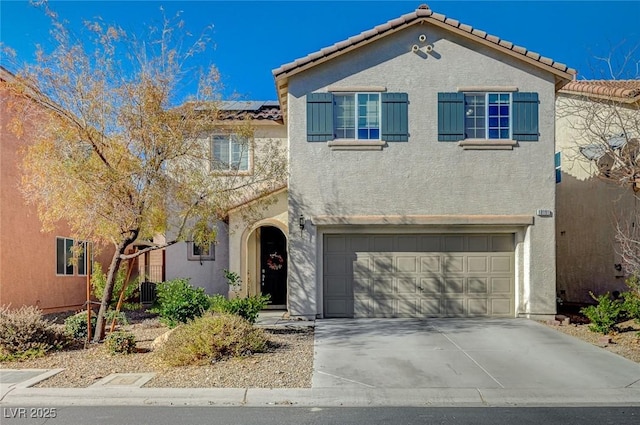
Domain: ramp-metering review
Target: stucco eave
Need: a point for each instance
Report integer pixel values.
(423, 220)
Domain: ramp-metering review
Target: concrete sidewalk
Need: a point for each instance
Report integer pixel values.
(396, 362)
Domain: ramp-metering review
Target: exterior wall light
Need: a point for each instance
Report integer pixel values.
(301, 221)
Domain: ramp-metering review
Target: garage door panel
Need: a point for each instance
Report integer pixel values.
(430, 243)
(431, 307)
(502, 307)
(407, 264)
(362, 306)
(363, 265)
(431, 285)
(382, 286)
(454, 306)
(337, 286)
(335, 243)
(383, 307)
(478, 243)
(453, 264)
(501, 285)
(359, 243)
(341, 307)
(501, 264)
(362, 286)
(407, 285)
(477, 285)
(454, 285)
(478, 306)
(382, 243)
(336, 264)
(406, 307)
(418, 275)
(502, 243)
(454, 243)
(383, 264)
(430, 264)
(407, 244)
(477, 264)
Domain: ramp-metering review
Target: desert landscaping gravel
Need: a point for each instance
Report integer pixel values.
(288, 363)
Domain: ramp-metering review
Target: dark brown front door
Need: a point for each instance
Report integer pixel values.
(273, 264)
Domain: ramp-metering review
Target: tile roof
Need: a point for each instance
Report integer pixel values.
(268, 110)
(627, 91)
(420, 15)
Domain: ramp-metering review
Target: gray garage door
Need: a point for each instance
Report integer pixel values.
(418, 275)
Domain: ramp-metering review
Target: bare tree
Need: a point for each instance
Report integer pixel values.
(123, 155)
(604, 118)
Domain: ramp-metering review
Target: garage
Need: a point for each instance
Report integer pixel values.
(422, 275)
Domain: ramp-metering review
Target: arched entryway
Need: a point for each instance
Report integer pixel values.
(273, 265)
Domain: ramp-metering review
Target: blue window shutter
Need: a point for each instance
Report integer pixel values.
(450, 117)
(525, 117)
(558, 164)
(319, 117)
(395, 117)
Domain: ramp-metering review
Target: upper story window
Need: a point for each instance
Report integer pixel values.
(229, 152)
(355, 119)
(71, 257)
(357, 116)
(487, 115)
(490, 116)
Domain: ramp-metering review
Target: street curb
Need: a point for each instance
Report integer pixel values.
(319, 397)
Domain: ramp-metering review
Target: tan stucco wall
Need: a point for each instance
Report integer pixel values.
(28, 255)
(423, 176)
(587, 211)
(210, 274)
(244, 243)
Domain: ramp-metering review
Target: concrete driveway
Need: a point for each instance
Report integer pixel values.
(461, 353)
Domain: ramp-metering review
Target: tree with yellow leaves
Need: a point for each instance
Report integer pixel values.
(121, 156)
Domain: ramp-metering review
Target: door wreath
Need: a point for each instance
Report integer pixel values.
(275, 261)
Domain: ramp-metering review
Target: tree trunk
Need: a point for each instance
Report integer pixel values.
(108, 291)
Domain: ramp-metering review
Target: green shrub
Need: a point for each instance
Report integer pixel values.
(631, 303)
(209, 338)
(99, 281)
(604, 315)
(247, 308)
(120, 342)
(178, 302)
(24, 333)
(76, 326)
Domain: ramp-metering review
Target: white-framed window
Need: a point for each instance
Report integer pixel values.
(487, 115)
(229, 152)
(200, 253)
(71, 257)
(357, 116)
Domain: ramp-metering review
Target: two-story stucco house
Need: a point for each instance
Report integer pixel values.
(421, 180)
(421, 174)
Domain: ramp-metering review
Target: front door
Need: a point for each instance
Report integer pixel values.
(273, 265)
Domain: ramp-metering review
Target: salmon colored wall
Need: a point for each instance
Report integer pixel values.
(28, 255)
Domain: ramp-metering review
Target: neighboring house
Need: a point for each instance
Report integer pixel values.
(254, 228)
(589, 208)
(421, 174)
(34, 265)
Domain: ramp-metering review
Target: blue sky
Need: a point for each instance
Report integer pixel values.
(252, 38)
